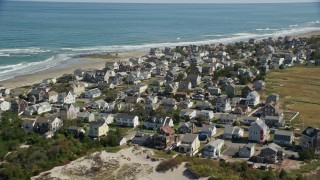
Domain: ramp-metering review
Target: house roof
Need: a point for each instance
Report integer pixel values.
(158, 120)
(97, 123)
(209, 127)
(215, 143)
(311, 131)
(167, 129)
(260, 124)
(126, 116)
(189, 137)
(231, 130)
(187, 124)
(273, 146)
(255, 94)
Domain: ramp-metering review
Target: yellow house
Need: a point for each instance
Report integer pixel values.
(98, 128)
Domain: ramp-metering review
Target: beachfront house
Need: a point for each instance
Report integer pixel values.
(283, 138)
(233, 132)
(28, 124)
(46, 124)
(223, 104)
(213, 149)
(66, 98)
(310, 138)
(19, 105)
(99, 104)
(98, 128)
(206, 114)
(258, 131)
(86, 116)
(227, 119)
(247, 151)
(253, 99)
(36, 95)
(51, 97)
(208, 130)
(127, 120)
(69, 111)
(190, 144)
(187, 127)
(142, 139)
(156, 122)
(76, 87)
(188, 113)
(92, 93)
(38, 108)
(270, 153)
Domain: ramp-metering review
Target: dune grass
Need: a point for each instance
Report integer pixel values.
(299, 90)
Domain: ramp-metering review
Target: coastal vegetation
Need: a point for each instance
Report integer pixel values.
(299, 90)
(39, 154)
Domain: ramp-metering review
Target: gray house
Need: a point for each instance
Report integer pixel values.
(258, 131)
(274, 121)
(227, 119)
(283, 138)
(86, 116)
(270, 153)
(156, 122)
(247, 151)
(208, 130)
(187, 127)
(310, 138)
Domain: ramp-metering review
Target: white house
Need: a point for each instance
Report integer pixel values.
(38, 108)
(213, 149)
(206, 114)
(4, 105)
(253, 98)
(232, 132)
(66, 98)
(92, 93)
(223, 104)
(99, 104)
(188, 113)
(258, 131)
(156, 122)
(208, 130)
(190, 144)
(127, 120)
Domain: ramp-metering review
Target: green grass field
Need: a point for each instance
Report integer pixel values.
(299, 89)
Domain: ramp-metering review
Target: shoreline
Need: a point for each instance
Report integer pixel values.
(65, 68)
(91, 63)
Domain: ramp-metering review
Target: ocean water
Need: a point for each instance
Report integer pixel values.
(35, 36)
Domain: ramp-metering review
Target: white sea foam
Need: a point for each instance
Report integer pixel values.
(314, 22)
(267, 29)
(17, 51)
(293, 25)
(11, 71)
(227, 39)
(213, 35)
(4, 55)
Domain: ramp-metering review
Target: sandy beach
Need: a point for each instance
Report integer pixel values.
(66, 68)
(87, 63)
(129, 163)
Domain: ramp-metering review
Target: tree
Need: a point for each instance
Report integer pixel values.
(180, 77)
(307, 154)
(236, 123)
(283, 174)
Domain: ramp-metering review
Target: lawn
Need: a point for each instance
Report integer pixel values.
(299, 90)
